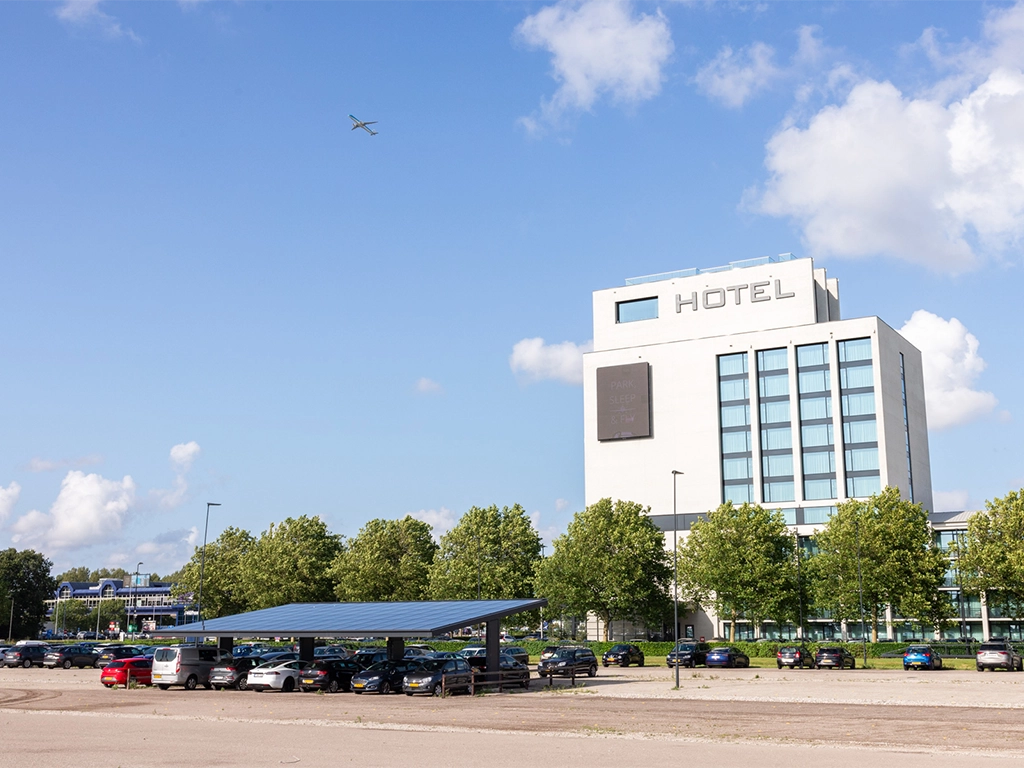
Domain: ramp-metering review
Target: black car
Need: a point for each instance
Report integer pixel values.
(727, 657)
(834, 657)
(477, 657)
(234, 673)
(384, 676)
(437, 676)
(688, 654)
(569, 661)
(517, 653)
(329, 675)
(623, 654)
(514, 671)
(113, 652)
(794, 656)
(68, 656)
(367, 657)
(28, 655)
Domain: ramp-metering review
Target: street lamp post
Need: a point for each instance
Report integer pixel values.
(958, 535)
(202, 560)
(10, 624)
(135, 600)
(860, 589)
(542, 555)
(675, 574)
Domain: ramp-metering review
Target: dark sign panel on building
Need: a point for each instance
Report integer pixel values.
(623, 401)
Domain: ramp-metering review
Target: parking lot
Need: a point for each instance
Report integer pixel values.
(946, 715)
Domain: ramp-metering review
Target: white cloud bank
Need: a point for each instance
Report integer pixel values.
(440, 520)
(427, 386)
(935, 179)
(183, 455)
(949, 356)
(537, 361)
(8, 498)
(598, 47)
(950, 501)
(89, 509)
(86, 14)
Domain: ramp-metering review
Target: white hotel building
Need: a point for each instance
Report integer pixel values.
(744, 379)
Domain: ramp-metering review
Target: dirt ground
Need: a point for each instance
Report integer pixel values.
(784, 717)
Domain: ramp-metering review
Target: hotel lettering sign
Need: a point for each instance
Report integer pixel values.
(623, 401)
(714, 298)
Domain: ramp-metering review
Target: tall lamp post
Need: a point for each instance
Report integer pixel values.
(860, 589)
(135, 600)
(542, 554)
(202, 560)
(675, 574)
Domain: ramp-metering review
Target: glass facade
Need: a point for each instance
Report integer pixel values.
(814, 382)
(906, 428)
(860, 434)
(775, 424)
(734, 424)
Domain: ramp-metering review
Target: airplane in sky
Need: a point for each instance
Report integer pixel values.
(357, 123)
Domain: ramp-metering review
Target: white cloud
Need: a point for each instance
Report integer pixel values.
(935, 179)
(8, 498)
(427, 386)
(949, 356)
(536, 361)
(182, 457)
(440, 520)
(86, 14)
(37, 464)
(598, 47)
(89, 509)
(733, 77)
(950, 501)
(166, 551)
(561, 504)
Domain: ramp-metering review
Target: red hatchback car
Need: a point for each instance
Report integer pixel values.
(120, 671)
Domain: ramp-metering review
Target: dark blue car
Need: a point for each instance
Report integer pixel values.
(727, 657)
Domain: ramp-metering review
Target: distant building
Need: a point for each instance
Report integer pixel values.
(151, 602)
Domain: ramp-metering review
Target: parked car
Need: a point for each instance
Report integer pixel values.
(569, 661)
(688, 654)
(427, 677)
(339, 651)
(921, 656)
(514, 671)
(517, 653)
(551, 650)
(27, 653)
(277, 656)
(415, 652)
(444, 655)
(328, 675)
(476, 657)
(120, 671)
(727, 657)
(86, 635)
(834, 657)
(795, 656)
(187, 665)
(233, 673)
(112, 652)
(251, 649)
(276, 675)
(68, 656)
(997, 654)
(384, 676)
(367, 657)
(623, 654)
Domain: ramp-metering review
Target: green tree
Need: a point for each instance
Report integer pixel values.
(25, 585)
(991, 555)
(224, 591)
(290, 563)
(108, 610)
(388, 560)
(492, 553)
(742, 562)
(72, 615)
(611, 562)
(79, 574)
(900, 565)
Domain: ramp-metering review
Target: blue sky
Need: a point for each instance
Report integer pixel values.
(213, 290)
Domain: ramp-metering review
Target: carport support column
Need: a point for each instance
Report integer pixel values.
(493, 647)
(306, 648)
(396, 648)
(226, 643)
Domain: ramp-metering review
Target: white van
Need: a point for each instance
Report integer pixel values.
(187, 665)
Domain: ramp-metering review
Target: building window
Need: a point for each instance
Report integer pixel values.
(734, 413)
(906, 429)
(776, 427)
(818, 515)
(814, 383)
(860, 430)
(638, 309)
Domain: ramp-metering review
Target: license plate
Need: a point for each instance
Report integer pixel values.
(158, 677)
(358, 685)
(414, 685)
(109, 679)
(307, 681)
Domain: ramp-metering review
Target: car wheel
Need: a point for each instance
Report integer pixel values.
(641, 661)
(592, 672)
(289, 685)
(906, 668)
(27, 663)
(332, 687)
(191, 682)
(385, 688)
(853, 664)
(242, 682)
(981, 668)
(604, 664)
(526, 683)
(66, 664)
(624, 664)
(163, 687)
(218, 687)
(438, 690)
(780, 664)
(207, 686)
(108, 685)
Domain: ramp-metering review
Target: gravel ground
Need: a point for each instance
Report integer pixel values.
(778, 717)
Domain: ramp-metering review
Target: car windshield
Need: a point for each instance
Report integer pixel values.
(992, 647)
(831, 650)
(564, 654)
(115, 664)
(685, 648)
(618, 648)
(165, 654)
(918, 649)
(433, 665)
(380, 666)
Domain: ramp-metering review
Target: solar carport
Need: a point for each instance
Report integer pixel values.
(394, 621)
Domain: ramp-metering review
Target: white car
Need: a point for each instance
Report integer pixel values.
(276, 675)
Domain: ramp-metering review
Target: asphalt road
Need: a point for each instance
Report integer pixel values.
(622, 717)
